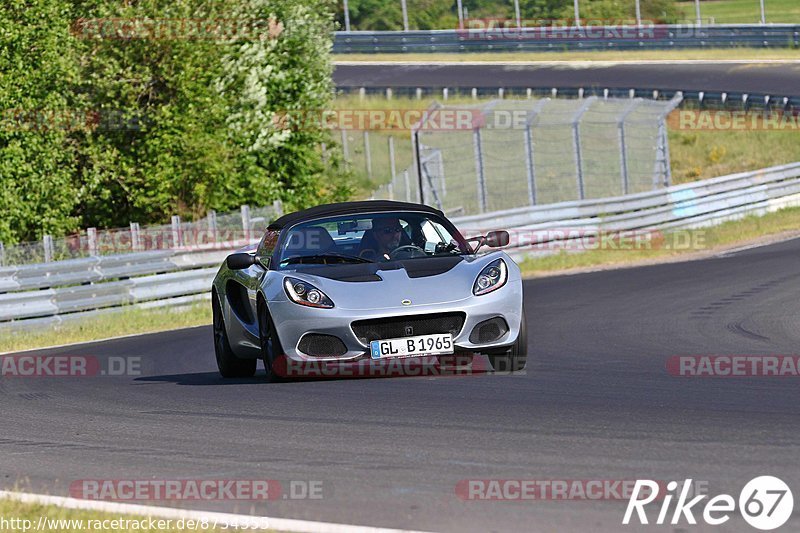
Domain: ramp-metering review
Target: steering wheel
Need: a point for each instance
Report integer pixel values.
(412, 250)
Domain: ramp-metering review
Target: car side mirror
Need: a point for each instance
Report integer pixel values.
(497, 239)
(240, 261)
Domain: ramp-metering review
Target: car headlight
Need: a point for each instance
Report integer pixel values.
(304, 293)
(491, 278)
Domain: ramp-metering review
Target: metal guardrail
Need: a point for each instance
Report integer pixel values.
(687, 205)
(33, 295)
(531, 40)
(46, 292)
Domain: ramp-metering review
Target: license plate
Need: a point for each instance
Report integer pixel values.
(412, 346)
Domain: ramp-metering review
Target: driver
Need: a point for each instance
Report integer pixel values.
(383, 239)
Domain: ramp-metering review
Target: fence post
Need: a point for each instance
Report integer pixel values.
(345, 151)
(577, 15)
(662, 148)
(246, 221)
(367, 155)
(516, 13)
(763, 14)
(277, 205)
(408, 185)
(47, 242)
(346, 17)
(176, 231)
(460, 15)
(529, 152)
(576, 143)
(2, 255)
(324, 153)
(477, 150)
(418, 161)
(623, 144)
(405, 14)
(135, 236)
(392, 164)
(212, 224)
(91, 240)
(698, 20)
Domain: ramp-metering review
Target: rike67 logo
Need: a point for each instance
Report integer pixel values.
(765, 503)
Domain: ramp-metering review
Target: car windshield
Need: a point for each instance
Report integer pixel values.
(369, 238)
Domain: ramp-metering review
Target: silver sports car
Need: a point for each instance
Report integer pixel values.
(367, 281)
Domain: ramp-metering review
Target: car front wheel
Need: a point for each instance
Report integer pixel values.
(270, 345)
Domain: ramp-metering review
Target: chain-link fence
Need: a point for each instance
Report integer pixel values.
(411, 15)
(213, 231)
(514, 153)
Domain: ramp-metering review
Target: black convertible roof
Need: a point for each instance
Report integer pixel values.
(345, 208)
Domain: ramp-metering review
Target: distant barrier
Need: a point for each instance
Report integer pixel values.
(664, 37)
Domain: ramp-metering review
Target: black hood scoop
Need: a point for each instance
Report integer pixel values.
(368, 272)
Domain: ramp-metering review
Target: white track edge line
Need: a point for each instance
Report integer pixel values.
(279, 524)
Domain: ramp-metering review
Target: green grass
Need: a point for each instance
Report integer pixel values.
(127, 322)
(675, 244)
(744, 11)
(600, 55)
(707, 154)
(58, 517)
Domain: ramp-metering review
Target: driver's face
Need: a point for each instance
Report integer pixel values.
(387, 232)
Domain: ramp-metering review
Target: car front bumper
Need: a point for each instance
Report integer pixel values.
(293, 321)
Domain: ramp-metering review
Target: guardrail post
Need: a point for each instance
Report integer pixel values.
(91, 240)
(478, 154)
(135, 244)
(576, 143)
(246, 221)
(277, 206)
(47, 242)
(367, 155)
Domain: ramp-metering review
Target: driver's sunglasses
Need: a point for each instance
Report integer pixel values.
(389, 231)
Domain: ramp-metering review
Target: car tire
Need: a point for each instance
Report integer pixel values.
(270, 345)
(516, 357)
(228, 364)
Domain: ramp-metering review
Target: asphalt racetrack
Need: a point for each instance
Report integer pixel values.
(597, 403)
(777, 79)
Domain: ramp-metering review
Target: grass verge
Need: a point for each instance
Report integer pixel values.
(26, 517)
(674, 245)
(744, 11)
(102, 326)
(739, 54)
